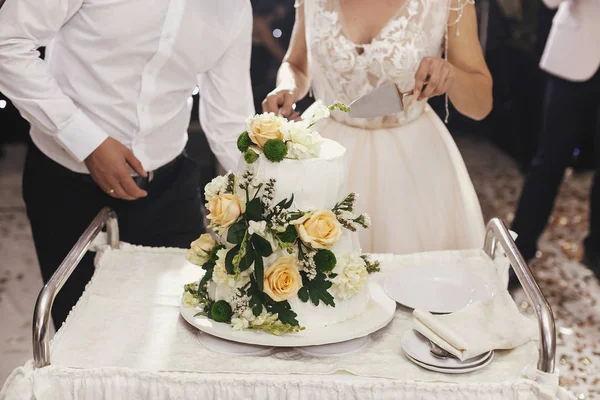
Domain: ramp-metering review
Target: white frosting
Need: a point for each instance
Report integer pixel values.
(317, 184)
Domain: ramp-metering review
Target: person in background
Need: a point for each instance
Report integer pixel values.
(572, 60)
(109, 109)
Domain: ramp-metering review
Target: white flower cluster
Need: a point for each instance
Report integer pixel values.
(310, 268)
(280, 219)
(220, 275)
(351, 276)
(239, 302)
(216, 187)
(260, 228)
(301, 141)
(248, 320)
(189, 300)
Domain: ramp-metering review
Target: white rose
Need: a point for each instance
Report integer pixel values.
(351, 276)
(216, 187)
(302, 142)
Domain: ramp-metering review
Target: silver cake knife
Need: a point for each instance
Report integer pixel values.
(383, 100)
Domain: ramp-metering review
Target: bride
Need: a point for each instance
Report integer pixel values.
(411, 178)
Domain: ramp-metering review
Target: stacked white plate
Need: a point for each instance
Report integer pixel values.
(417, 349)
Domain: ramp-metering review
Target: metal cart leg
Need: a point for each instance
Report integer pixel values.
(498, 233)
(41, 316)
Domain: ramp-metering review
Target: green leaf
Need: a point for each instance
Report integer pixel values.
(262, 245)
(257, 297)
(259, 272)
(317, 289)
(288, 204)
(303, 294)
(254, 210)
(209, 268)
(248, 259)
(236, 232)
(229, 267)
(283, 311)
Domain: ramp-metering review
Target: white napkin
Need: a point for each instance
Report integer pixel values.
(492, 324)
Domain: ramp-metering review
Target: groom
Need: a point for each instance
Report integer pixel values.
(572, 58)
(109, 109)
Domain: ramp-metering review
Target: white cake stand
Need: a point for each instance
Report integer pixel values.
(379, 312)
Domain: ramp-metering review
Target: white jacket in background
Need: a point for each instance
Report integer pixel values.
(573, 48)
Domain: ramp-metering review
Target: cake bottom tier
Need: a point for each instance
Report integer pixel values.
(308, 315)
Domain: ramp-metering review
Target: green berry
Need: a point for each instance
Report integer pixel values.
(221, 311)
(289, 235)
(250, 156)
(325, 261)
(244, 142)
(275, 150)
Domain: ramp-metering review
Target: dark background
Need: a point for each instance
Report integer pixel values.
(513, 46)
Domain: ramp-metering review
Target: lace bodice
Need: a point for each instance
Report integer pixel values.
(342, 70)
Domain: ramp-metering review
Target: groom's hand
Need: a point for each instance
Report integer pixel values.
(280, 100)
(108, 166)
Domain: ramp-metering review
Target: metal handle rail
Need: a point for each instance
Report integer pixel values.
(41, 316)
(497, 232)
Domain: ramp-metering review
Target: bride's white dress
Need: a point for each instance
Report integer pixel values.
(407, 169)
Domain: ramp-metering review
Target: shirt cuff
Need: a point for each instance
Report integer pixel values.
(81, 136)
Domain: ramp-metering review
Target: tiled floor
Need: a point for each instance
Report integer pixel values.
(569, 287)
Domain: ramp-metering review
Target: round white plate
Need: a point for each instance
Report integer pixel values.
(452, 370)
(230, 348)
(336, 349)
(417, 347)
(436, 288)
(379, 312)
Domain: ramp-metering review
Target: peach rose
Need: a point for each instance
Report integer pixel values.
(225, 209)
(199, 252)
(320, 229)
(282, 279)
(263, 128)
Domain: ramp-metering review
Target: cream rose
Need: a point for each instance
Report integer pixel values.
(282, 279)
(263, 128)
(199, 252)
(320, 229)
(225, 209)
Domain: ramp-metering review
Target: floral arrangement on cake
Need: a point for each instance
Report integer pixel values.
(268, 252)
(277, 138)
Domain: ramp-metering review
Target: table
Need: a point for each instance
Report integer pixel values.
(125, 340)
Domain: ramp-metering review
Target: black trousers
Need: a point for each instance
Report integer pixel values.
(568, 108)
(61, 204)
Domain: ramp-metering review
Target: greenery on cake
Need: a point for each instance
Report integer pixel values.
(278, 138)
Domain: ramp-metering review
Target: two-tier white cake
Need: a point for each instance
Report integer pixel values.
(284, 254)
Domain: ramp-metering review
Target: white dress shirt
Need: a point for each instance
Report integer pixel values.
(127, 69)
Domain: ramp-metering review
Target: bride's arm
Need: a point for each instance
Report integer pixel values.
(471, 90)
(292, 79)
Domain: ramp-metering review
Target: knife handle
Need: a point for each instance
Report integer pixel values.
(410, 93)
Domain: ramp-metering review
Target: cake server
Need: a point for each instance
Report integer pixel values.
(383, 100)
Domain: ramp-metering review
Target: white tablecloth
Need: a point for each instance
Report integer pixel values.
(126, 340)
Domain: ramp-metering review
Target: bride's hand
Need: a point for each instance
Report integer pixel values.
(280, 100)
(439, 75)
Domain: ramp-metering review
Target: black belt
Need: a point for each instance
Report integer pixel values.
(143, 182)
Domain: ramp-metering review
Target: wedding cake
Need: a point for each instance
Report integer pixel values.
(283, 253)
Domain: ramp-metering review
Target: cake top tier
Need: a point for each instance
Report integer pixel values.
(277, 139)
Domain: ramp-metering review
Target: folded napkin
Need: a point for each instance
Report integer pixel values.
(491, 324)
